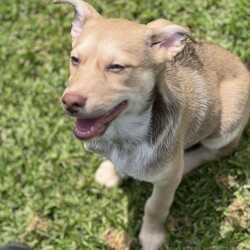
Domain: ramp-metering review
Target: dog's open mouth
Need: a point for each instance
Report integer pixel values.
(86, 129)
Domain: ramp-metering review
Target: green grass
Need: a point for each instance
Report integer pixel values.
(46, 174)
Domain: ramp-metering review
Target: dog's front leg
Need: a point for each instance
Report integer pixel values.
(152, 234)
(107, 175)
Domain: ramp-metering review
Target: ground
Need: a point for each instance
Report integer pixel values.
(49, 199)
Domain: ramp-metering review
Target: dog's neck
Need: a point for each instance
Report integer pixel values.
(134, 142)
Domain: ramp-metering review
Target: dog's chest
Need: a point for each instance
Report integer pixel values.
(125, 145)
(133, 160)
(129, 159)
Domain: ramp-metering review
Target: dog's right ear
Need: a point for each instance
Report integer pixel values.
(83, 12)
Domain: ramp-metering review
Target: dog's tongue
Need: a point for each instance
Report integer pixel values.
(86, 124)
(88, 128)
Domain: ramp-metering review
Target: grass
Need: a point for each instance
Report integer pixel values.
(49, 199)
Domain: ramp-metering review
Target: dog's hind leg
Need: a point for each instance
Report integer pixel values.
(107, 176)
(196, 157)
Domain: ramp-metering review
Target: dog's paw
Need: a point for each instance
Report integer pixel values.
(151, 238)
(106, 175)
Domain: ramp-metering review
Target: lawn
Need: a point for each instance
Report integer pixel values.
(49, 199)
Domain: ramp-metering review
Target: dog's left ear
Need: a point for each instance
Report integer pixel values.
(83, 12)
(167, 39)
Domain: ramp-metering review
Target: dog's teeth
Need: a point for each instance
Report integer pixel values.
(92, 128)
(82, 133)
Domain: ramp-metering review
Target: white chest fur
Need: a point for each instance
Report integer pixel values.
(125, 144)
(132, 160)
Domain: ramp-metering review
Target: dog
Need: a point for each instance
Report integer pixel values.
(144, 94)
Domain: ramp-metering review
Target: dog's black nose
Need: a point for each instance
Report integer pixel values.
(73, 102)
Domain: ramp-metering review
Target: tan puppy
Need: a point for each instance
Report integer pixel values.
(142, 94)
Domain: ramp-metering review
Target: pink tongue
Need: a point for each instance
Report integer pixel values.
(85, 125)
(88, 128)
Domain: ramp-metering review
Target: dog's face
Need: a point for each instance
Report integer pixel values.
(109, 68)
(113, 66)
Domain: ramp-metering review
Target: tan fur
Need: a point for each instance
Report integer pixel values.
(179, 93)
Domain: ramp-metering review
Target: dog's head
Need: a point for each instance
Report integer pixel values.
(113, 68)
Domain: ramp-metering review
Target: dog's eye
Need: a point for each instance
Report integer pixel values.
(116, 68)
(74, 60)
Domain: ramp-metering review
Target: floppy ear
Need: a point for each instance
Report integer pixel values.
(167, 39)
(83, 12)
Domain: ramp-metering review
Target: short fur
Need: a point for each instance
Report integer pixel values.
(179, 93)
